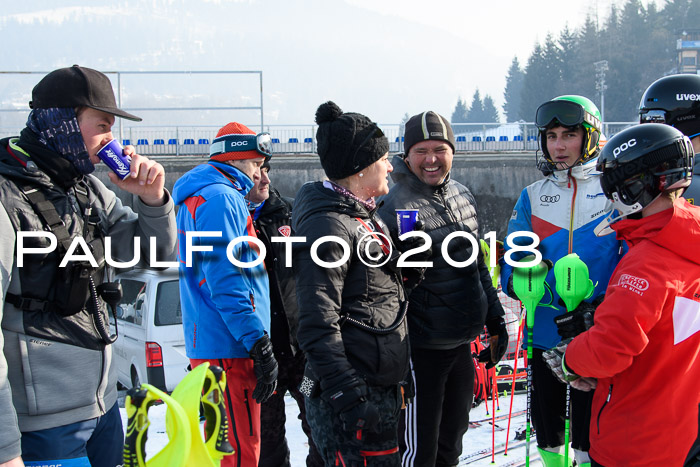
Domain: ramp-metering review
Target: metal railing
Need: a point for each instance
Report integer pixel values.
(301, 139)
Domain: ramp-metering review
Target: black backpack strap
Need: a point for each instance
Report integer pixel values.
(47, 211)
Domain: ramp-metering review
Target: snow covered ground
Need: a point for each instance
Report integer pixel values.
(476, 445)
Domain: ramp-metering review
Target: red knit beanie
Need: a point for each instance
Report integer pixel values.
(233, 129)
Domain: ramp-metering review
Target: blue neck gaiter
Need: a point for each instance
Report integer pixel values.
(58, 130)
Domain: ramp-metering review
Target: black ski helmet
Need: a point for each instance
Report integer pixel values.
(643, 161)
(673, 100)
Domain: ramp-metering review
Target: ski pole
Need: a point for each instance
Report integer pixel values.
(573, 286)
(529, 285)
(512, 386)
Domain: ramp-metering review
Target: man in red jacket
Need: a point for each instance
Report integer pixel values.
(642, 355)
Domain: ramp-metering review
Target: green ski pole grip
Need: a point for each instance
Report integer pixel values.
(572, 281)
(529, 286)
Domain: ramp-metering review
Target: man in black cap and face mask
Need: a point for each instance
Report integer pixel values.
(58, 398)
(447, 309)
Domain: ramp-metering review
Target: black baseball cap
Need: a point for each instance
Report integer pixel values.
(77, 86)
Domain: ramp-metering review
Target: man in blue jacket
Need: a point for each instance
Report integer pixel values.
(224, 291)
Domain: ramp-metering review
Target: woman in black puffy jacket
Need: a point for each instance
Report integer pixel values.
(351, 313)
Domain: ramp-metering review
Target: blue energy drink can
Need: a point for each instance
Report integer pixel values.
(113, 156)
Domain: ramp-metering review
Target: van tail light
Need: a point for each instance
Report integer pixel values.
(154, 355)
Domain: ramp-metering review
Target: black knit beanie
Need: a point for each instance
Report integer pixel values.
(347, 142)
(424, 126)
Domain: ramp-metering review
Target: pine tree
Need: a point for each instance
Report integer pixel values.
(476, 109)
(490, 112)
(513, 91)
(460, 113)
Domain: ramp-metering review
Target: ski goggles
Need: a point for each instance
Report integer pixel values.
(567, 113)
(376, 133)
(653, 116)
(662, 116)
(262, 142)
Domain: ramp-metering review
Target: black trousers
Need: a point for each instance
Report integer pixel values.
(549, 408)
(274, 451)
(436, 422)
(361, 448)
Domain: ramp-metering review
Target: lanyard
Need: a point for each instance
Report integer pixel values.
(384, 242)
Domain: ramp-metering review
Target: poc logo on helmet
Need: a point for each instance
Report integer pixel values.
(238, 143)
(624, 147)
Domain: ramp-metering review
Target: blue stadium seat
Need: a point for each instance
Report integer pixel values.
(126, 142)
(275, 140)
(476, 138)
(308, 140)
(490, 138)
(203, 141)
(293, 140)
(158, 141)
(461, 139)
(502, 138)
(143, 141)
(517, 138)
(188, 141)
(399, 140)
(172, 141)
(532, 138)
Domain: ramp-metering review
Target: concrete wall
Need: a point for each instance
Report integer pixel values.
(496, 180)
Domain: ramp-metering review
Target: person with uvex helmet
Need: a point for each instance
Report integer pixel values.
(563, 209)
(675, 100)
(641, 354)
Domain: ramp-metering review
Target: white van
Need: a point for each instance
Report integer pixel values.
(151, 343)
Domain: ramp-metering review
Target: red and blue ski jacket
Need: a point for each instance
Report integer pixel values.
(225, 308)
(563, 209)
(644, 347)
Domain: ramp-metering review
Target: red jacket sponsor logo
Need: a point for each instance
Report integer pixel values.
(635, 284)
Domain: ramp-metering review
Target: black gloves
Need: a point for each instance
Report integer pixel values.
(413, 276)
(351, 404)
(572, 324)
(408, 390)
(498, 342)
(554, 358)
(265, 367)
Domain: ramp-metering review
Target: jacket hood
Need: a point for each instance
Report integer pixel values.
(402, 174)
(24, 159)
(676, 229)
(313, 198)
(211, 173)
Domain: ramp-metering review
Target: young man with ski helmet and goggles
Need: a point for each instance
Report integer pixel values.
(641, 355)
(563, 209)
(226, 308)
(673, 100)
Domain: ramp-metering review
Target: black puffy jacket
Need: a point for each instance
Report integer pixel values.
(450, 306)
(274, 220)
(336, 349)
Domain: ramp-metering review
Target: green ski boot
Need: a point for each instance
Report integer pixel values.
(552, 459)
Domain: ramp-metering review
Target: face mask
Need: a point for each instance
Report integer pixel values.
(58, 130)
